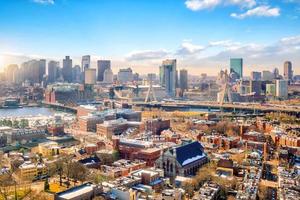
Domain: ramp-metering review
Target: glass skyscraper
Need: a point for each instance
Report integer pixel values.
(236, 65)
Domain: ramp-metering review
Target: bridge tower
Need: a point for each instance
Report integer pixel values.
(226, 95)
(150, 94)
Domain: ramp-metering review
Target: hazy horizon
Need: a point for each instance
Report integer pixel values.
(201, 35)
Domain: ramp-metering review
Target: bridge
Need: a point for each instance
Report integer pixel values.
(60, 106)
(225, 106)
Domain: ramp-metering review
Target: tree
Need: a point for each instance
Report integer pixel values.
(15, 124)
(78, 171)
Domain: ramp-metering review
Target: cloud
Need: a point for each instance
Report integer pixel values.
(260, 11)
(187, 48)
(227, 44)
(242, 3)
(201, 4)
(196, 5)
(147, 55)
(44, 2)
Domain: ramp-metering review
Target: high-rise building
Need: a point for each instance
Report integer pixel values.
(67, 69)
(276, 73)
(256, 76)
(52, 71)
(267, 75)
(255, 86)
(86, 62)
(183, 80)
(102, 65)
(76, 74)
(90, 76)
(42, 69)
(11, 73)
(288, 71)
(125, 75)
(31, 71)
(271, 89)
(162, 75)
(108, 76)
(169, 66)
(282, 88)
(236, 66)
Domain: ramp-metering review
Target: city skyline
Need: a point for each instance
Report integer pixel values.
(265, 34)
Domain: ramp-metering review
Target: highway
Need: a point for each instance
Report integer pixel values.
(216, 105)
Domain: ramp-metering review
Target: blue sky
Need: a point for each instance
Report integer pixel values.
(201, 34)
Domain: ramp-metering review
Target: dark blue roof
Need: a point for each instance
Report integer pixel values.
(188, 151)
(90, 160)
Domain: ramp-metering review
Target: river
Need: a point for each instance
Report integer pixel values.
(26, 112)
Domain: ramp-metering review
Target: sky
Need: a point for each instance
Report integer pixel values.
(201, 34)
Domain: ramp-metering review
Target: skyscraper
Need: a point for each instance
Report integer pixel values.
(162, 75)
(288, 71)
(236, 66)
(102, 65)
(11, 72)
(125, 75)
(76, 74)
(183, 80)
(169, 66)
(90, 76)
(256, 76)
(67, 69)
(42, 69)
(108, 76)
(52, 71)
(282, 88)
(85, 62)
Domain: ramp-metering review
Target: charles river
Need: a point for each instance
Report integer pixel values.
(26, 112)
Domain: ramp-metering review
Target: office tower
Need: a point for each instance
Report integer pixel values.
(276, 73)
(31, 71)
(42, 69)
(125, 75)
(170, 76)
(52, 71)
(271, 89)
(236, 66)
(183, 80)
(256, 76)
(267, 76)
(255, 87)
(11, 73)
(162, 75)
(102, 65)
(67, 69)
(90, 76)
(108, 76)
(282, 88)
(76, 74)
(288, 71)
(86, 62)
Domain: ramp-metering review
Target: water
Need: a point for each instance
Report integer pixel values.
(27, 112)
